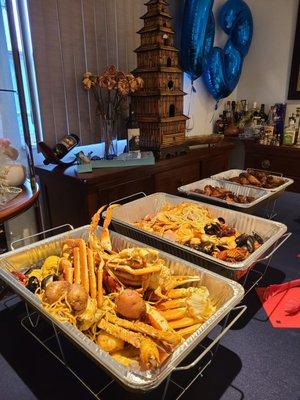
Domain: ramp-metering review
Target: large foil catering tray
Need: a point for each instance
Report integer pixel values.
(261, 195)
(225, 175)
(225, 294)
(124, 217)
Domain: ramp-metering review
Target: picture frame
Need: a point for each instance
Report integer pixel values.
(294, 87)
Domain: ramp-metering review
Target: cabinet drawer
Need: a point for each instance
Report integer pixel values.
(169, 181)
(288, 167)
(117, 192)
(214, 165)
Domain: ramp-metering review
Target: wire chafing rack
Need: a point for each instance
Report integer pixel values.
(31, 321)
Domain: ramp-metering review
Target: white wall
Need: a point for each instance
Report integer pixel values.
(266, 72)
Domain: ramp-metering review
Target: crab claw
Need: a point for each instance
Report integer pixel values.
(179, 280)
(105, 238)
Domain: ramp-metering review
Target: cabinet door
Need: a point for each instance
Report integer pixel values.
(214, 165)
(169, 181)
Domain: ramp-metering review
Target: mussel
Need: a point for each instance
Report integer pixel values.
(241, 240)
(212, 229)
(247, 241)
(250, 244)
(258, 238)
(221, 220)
(205, 247)
(32, 284)
(48, 279)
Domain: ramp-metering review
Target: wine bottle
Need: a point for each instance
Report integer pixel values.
(262, 113)
(133, 131)
(53, 156)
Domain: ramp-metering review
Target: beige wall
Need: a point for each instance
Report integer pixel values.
(267, 68)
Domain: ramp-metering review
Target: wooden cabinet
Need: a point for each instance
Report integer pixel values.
(283, 159)
(73, 198)
(170, 180)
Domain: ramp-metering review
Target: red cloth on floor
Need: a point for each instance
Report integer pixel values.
(276, 307)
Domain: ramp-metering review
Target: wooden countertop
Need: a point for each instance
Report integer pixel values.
(20, 203)
(110, 174)
(290, 151)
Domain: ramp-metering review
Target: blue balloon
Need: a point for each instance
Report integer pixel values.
(223, 67)
(197, 37)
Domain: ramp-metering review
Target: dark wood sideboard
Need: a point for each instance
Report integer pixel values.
(284, 159)
(72, 198)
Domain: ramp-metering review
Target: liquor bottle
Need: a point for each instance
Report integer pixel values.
(133, 131)
(254, 110)
(53, 156)
(219, 125)
(289, 135)
(233, 111)
(297, 141)
(262, 113)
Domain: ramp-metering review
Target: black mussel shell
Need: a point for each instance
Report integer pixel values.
(32, 284)
(206, 247)
(48, 279)
(221, 220)
(212, 229)
(241, 240)
(258, 238)
(250, 244)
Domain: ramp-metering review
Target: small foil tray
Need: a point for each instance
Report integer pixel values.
(224, 292)
(260, 195)
(225, 175)
(126, 215)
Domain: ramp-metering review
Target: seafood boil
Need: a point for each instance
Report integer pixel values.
(258, 178)
(127, 301)
(224, 194)
(191, 225)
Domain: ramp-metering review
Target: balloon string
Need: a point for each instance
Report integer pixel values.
(190, 101)
(215, 110)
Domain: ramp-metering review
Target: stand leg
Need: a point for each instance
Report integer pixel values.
(166, 387)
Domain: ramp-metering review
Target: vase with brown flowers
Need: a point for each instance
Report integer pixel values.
(111, 90)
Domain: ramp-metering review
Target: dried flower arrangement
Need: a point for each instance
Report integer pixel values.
(110, 90)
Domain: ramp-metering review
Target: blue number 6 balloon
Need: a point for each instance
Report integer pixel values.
(197, 36)
(222, 67)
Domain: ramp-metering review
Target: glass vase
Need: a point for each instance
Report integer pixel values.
(109, 138)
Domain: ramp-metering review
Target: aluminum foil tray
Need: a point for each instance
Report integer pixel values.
(225, 175)
(125, 216)
(225, 294)
(261, 195)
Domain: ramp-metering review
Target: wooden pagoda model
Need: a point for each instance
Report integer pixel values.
(159, 105)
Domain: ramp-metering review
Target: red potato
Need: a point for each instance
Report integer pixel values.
(130, 304)
(77, 297)
(55, 290)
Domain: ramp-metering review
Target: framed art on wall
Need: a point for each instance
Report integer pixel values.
(294, 88)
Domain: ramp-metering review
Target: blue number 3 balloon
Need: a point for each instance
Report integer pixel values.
(223, 67)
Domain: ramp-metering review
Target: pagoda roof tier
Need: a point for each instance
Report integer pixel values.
(158, 68)
(155, 46)
(177, 118)
(156, 28)
(158, 92)
(156, 14)
(164, 2)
